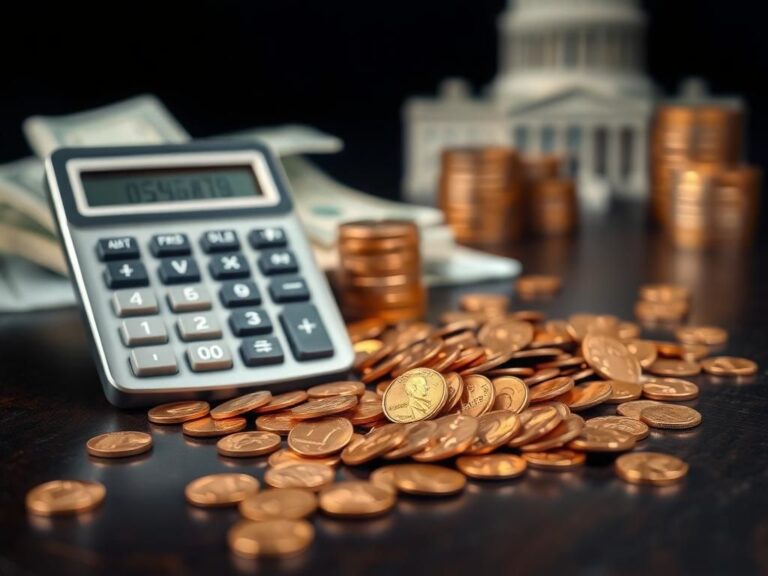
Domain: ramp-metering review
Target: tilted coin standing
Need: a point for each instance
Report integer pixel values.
(119, 444)
(511, 393)
(220, 489)
(60, 497)
(418, 394)
(478, 395)
(610, 358)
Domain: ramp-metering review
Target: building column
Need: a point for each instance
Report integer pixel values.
(613, 157)
(534, 138)
(587, 152)
(638, 178)
(561, 139)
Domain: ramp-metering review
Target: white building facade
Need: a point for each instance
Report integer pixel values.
(570, 82)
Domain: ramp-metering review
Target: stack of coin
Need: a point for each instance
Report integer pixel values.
(662, 304)
(552, 207)
(380, 270)
(481, 196)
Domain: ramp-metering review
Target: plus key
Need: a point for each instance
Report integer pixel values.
(306, 334)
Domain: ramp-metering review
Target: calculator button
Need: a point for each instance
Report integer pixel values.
(153, 361)
(277, 262)
(189, 298)
(289, 290)
(229, 266)
(203, 326)
(220, 241)
(125, 274)
(142, 331)
(178, 270)
(240, 294)
(306, 333)
(261, 351)
(267, 238)
(170, 245)
(209, 356)
(117, 248)
(250, 322)
(139, 302)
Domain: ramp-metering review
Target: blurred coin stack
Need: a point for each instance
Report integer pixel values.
(380, 270)
(550, 200)
(481, 195)
(662, 304)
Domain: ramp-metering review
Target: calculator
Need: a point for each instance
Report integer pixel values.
(193, 273)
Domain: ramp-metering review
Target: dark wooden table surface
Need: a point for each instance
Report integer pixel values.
(716, 521)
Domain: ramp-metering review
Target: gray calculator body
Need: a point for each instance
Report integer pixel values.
(194, 276)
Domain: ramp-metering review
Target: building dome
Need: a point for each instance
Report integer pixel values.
(549, 46)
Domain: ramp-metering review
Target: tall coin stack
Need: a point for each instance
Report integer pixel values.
(481, 196)
(552, 207)
(380, 270)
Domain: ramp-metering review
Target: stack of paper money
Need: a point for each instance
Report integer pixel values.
(28, 237)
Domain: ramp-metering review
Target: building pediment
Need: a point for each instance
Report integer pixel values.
(576, 103)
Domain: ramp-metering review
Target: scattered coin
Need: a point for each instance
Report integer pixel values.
(494, 429)
(418, 394)
(374, 444)
(283, 401)
(511, 394)
(59, 497)
(428, 479)
(281, 423)
(366, 411)
(632, 426)
(248, 444)
(643, 350)
(220, 489)
(208, 427)
(418, 435)
(323, 407)
(551, 389)
(358, 499)
(729, 366)
(560, 460)
(670, 389)
(670, 416)
(587, 395)
(276, 504)
(610, 358)
(308, 475)
(633, 409)
(270, 538)
(119, 444)
(366, 329)
(708, 335)
(594, 439)
(241, 405)
(664, 293)
(455, 433)
(505, 336)
(345, 388)
(542, 376)
(538, 286)
(321, 437)
(288, 456)
(455, 385)
(650, 468)
(674, 368)
(491, 466)
(624, 391)
(569, 429)
(384, 477)
(178, 412)
(484, 302)
(542, 420)
(478, 395)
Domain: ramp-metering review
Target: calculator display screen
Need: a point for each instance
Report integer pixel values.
(163, 185)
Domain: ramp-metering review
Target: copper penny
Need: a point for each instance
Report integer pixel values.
(561, 460)
(511, 393)
(729, 366)
(374, 444)
(323, 407)
(59, 497)
(610, 358)
(418, 436)
(586, 395)
(635, 428)
(492, 466)
(248, 444)
(357, 499)
(208, 427)
(282, 401)
(670, 389)
(594, 439)
(178, 412)
(119, 444)
(455, 433)
(281, 423)
(550, 389)
(270, 538)
(624, 391)
(650, 468)
(669, 416)
(428, 480)
(307, 475)
(321, 437)
(345, 388)
(275, 504)
(220, 489)
(478, 395)
(494, 429)
(241, 405)
(563, 433)
(669, 367)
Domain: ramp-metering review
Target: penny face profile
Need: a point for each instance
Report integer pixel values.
(418, 394)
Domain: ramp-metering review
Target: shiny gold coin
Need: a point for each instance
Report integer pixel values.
(563, 433)
(643, 350)
(633, 409)
(505, 336)
(511, 393)
(586, 395)
(418, 394)
(321, 437)
(455, 433)
(610, 358)
(729, 366)
(323, 407)
(357, 499)
(418, 435)
(624, 391)
(537, 422)
(669, 416)
(669, 367)
(491, 466)
(455, 385)
(542, 376)
(428, 480)
(306, 475)
(241, 405)
(288, 456)
(374, 444)
(550, 389)
(276, 504)
(220, 489)
(281, 423)
(478, 395)
(283, 401)
(384, 477)
(707, 335)
(59, 497)
(178, 412)
(594, 439)
(670, 389)
(119, 444)
(208, 427)
(650, 468)
(270, 538)
(494, 429)
(345, 388)
(366, 411)
(632, 426)
(561, 460)
(248, 444)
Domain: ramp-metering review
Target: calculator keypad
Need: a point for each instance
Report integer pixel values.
(208, 356)
(143, 331)
(189, 298)
(198, 326)
(180, 270)
(261, 351)
(267, 238)
(288, 290)
(235, 294)
(220, 241)
(117, 248)
(250, 322)
(305, 331)
(138, 302)
(153, 361)
(229, 266)
(277, 262)
(125, 274)
(163, 245)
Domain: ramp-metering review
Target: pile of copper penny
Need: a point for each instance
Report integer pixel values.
(662, 304)
(552, 207)
(379, 271)
(485, 394)
(702, 194)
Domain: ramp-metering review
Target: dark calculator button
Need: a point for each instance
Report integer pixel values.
(289, 290)
(250, 322)
(306, 333)
(229, 266)
(117, 248)
(240, 294)
(261, 350)
(278, 262)
(178, 271)
(125, 274)
(220, 241)
(170, 245)
(267, 238)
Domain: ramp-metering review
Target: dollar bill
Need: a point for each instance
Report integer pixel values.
(22, 189)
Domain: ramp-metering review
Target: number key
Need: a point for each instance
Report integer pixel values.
(153, 361)
(250, 322)
(189, 298)
(207, 356)
(142, 331)
(244, 293)
(134, 302)
(198, 327)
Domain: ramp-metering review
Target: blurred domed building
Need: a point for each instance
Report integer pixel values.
(570, 82)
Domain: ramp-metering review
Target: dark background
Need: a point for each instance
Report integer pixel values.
(345, 66)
